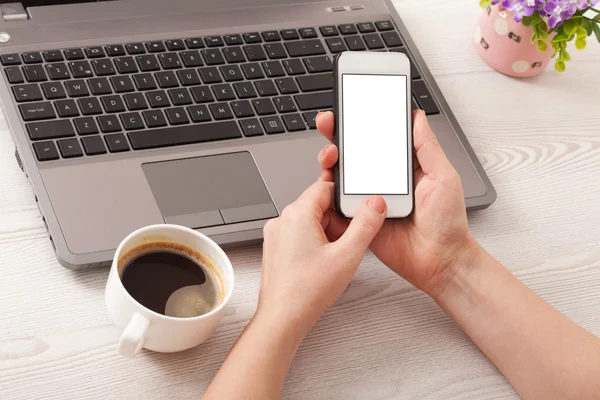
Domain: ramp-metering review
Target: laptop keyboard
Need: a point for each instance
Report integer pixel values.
(137, 96)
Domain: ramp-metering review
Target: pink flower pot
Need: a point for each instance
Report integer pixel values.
(506, 45)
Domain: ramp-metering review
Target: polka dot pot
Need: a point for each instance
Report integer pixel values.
(505, 45)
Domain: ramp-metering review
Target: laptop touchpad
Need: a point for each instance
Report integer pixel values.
(209, 191)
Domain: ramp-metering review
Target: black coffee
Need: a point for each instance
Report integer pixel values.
(171, 280)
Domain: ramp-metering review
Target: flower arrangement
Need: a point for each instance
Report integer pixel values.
(555, 23)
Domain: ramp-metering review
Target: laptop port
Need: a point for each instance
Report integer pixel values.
(18, 157)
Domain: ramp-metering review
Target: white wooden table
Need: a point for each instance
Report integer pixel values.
(384, 340)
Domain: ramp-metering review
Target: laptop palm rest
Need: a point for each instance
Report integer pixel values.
(210, 191)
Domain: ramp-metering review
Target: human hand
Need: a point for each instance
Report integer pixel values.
(303, 273)
(428, 247)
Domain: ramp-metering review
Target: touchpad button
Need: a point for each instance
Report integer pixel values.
(209, 191)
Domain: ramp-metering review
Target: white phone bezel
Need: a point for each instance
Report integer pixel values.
(398, 206)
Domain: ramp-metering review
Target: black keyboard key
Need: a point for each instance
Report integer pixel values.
(32, 58)
(28, 92)
(244, 90)
(318, 64)
(99, 86)
(126, 65)
(74, 54)
(392, 39)
(253, 71)
(37, 111)
(123, 84)
(93, 145)
(14, 74)
(294, 66)
(266, 87)
(285, 104)
(255, 53)
(355, 43)
(155, 47)
(384, 25)
(103, 67)
(34, 73)
(180, 96)
(85, 126)
(70, 148)
(414, 105)
(50, 130)
(94, 52)
(313, 83)
(177, 116)
(10, 59)
(315, 101)
(271, 36)
(175, 45)
(77, 88)
(202, 94)
(275, 51)
(185, 134)
(231, 73)
(234, 54)
(373, 41)
(53, 56)
(214, 41)
(116, 143)
(81, 69)
(191, 58)
(347, 29)
(169, 61)
(148, 63)
(116, 50)
(251, 127)
(135, 101)
(167, 79)
(263, 106)
(58, 71)
(273, 69)
(109, 123)
(414, 71)
(330, 30)
(233, 40)
(154, 118)
(199, 113)
(336, 44)
(220, 111)
(89, 106)
(157, 99)
(210, 75)
(305, 48)
(135, 48)
(252, 37)
(194, 43)
(289, 34)
(112, 104)
(187, 77)
(424, 97)
(144, 82)
(213, 57)
(45, 151)
(132, 121)
(287, 85)
(311, 119)
(272, 125)
(223, 92)
(366, 27)
(53, 90)
(66, 108)
(293, 122)
(308, 33)
(242, 109)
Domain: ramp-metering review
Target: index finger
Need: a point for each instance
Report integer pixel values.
(325, 124)
(317, 199)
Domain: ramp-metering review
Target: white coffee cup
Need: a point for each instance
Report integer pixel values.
(144, 328)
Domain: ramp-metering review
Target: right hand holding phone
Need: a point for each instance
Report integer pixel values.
(429, 247)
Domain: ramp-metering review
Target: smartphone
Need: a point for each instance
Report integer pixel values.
(373, 132)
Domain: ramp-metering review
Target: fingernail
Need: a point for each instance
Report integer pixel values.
(319, 113)
(323, 173)
(377, 203)
(324, 150)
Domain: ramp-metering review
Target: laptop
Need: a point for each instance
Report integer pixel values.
(129, 113)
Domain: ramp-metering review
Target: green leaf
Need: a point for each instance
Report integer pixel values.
(543, 34)
(542, 46)
(596, 28)
(534, 37)
(532, 20)
(561, 37)
(569, 27)
(581, 32)
(563, 45)
(560, 66)
(566, 56)
(587, 25)
(580, 43)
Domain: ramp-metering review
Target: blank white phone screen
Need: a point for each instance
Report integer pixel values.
(375, 134)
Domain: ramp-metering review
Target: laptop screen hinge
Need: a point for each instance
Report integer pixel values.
(13, 12)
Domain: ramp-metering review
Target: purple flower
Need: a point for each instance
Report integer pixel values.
(561, 10)
(520, 8)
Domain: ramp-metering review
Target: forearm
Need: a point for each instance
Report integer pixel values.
(541, 352)
(258, 362)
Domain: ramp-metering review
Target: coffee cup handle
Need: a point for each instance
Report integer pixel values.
(132, 339)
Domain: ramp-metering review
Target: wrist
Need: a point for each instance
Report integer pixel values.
(278, 325)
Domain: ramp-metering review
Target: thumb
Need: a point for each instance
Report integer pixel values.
(364, 226)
